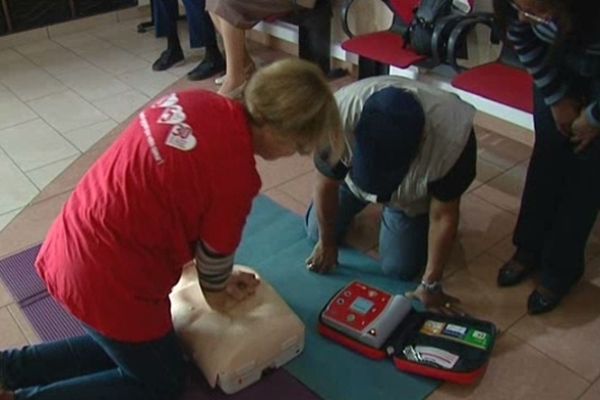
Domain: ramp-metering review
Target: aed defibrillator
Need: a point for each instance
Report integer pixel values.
(378, 324)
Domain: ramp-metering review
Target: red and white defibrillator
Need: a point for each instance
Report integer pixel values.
(378, 324)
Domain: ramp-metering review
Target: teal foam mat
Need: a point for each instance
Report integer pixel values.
(275, 244)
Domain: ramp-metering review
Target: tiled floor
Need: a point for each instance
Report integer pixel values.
(59, 94)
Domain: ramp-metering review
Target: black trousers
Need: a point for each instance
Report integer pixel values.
(560, 202)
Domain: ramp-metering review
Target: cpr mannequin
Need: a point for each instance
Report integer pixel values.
(234, 342)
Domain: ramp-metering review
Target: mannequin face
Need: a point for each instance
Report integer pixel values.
(531, 11)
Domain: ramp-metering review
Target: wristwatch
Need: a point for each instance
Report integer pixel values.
(432, 287)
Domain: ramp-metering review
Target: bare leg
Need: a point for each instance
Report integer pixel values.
(236, 55)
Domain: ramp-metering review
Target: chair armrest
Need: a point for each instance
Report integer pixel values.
(461, 29)
(441, 31)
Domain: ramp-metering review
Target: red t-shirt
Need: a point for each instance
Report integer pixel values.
(183, 171)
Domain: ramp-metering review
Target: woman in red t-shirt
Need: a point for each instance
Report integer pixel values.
(177, 185)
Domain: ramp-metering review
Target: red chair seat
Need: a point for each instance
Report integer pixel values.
(384, 47)
(499, 82)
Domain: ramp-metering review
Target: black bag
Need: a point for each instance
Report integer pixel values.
(420, 31)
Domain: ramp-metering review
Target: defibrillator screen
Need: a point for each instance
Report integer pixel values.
(361, 305)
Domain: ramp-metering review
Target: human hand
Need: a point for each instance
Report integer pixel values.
(437, 301)
(565, 112)
(323, 258)
(241, 285)
(583, 133)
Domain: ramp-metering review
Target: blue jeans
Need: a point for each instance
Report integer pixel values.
(402, 239)
(93, 367)
(200, 26)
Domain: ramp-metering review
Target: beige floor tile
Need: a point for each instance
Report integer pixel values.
(512, 131)
(12, 69)
(82, 24)
(504, 249)
(593, 393)
(476, 287)
(505, 190)
(24, 325)
(30, 226)
(482, 225)
(33, 84)
(92, 83)
(568, 334)
(37, 47)
(148, 81)
(26, 37)
(11, 336)
(65, 182)
(275, 173)
(485, 172)
(286, 201)
(5, 218)
(84, 138)
(518, 372)
(137, 43)
(301, 188)
(41, 177)
(5, 296)
(67, 111)
(121, 107)
(59, 62)
(500, 150)
(8, 56)
(35, 144)
(114, 60)
(12, 110)
(21, 192)
(82, 42)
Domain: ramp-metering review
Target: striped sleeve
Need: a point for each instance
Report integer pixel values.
(532, 44)
(213, 269)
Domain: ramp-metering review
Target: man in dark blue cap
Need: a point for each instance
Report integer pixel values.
(411, 148)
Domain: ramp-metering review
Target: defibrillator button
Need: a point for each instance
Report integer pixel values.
(350, 318)
(372, 293)
(347, 293)
(340, 301)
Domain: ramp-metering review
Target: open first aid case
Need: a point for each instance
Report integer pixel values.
(378, 324)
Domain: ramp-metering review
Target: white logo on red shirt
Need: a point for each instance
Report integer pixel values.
(181, 137)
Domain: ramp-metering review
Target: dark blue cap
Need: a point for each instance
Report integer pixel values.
(388, 135)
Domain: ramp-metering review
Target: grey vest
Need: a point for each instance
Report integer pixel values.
(448, 124)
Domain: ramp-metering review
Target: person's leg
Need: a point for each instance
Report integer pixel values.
(202, 34)
(166, 15)
(348, 206)
(545, 176)
(237, 57)
(403, 243)
(152, 370)
(45, 363)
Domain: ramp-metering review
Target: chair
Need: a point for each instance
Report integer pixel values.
(378, 50)
(504, 80)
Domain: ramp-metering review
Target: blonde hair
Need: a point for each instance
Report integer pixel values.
(294, 99)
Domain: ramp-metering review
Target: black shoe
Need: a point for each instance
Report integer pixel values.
(207, 68)
(168, 58)
(539, 303)
(516, 269)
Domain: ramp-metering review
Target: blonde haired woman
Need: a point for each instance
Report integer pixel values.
(177, 185)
